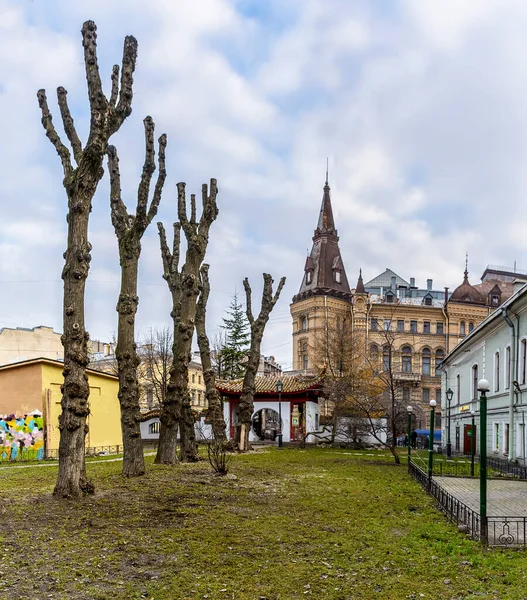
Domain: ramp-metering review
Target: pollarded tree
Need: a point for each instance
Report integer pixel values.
(129, 230)
(253, 359)
(214, 403)
(155, 353)
(80, 183)
(184, 287)
(233, 354)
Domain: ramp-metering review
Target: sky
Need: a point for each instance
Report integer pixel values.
(420, 107)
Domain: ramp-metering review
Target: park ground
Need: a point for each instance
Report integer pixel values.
(316, 523)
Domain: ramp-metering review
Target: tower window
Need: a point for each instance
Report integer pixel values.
(462, 328)
(303, 323)
(309, 276)
(337, 276)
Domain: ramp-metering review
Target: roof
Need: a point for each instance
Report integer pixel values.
(467, 293)
(384, 280)
(50, 361)
(479, 329)
(376, 299)
(292, 384)
(325, 259)
(360, 284)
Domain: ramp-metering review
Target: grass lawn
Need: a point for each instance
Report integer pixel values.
(292, 524)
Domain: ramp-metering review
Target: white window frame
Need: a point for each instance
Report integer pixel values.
(520, 440)
(497, 374)
(496, 429)
(522, 363)
(505, 440)
(458, 390)
(507, 366)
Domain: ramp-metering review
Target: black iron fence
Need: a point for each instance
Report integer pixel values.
(28, 455)
(455, 510)
(502, 532)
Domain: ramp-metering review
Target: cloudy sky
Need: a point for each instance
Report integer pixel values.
(420, 105)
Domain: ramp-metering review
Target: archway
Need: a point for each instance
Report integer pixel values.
(265, 424)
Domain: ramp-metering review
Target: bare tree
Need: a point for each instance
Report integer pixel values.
(80, 183)
(253, 358)
(184, 286)
(215, 405)
(129, 230)
(155, 353)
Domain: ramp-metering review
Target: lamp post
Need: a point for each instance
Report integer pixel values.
(483, 388)
(279, 388)
(433, 404)
(472, 442)
(449, 395)
(409, 410)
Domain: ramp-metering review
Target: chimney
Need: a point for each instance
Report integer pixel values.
(429, 284)
(446, 295)
(394, 283)
(412, 282)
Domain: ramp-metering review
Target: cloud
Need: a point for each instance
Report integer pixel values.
(419, 105)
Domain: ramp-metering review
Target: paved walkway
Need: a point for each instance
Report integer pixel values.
(504, 498)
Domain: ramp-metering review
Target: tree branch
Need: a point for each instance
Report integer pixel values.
(182, 211)
(69, 125)
(248, 292)
(176, 248)
(162, 174)
(124, 106)
(98, 102)
(193, 209)
(165, 252)
(148, 170)
(118, 210)
(53, 136)
(115, 85)
(278, 291)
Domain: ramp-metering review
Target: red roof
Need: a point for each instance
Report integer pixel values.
(292, 384)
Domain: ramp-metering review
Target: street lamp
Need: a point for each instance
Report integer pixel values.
(472, 442)
(449, 395)
(279, 388)
(483, 388)
(433, 404)
(409, 410)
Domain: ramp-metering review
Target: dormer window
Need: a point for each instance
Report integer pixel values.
(389, 297)
(495, 300)
(337, 277)
(309, 277)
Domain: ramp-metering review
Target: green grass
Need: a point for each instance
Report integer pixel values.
(292, 524)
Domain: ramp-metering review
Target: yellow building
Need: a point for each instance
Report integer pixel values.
(414, 328)
(35, 385)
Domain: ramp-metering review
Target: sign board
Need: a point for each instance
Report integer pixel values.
(464, 408)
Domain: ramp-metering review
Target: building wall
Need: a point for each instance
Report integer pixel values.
(20, 389)
(104, 420)
(480, 350)
(38, 342)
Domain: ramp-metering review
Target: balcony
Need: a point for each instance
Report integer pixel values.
(414, 378)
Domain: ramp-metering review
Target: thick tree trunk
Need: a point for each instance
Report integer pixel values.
(128, 361)
(129, 230)
(81, 183)
(214, 403)
(185, 288)
(257, 331)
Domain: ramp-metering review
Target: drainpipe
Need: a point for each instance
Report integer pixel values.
(512, 377)
(326, 327)
(444, 309)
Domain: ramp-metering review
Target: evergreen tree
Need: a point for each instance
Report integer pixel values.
(233, 353)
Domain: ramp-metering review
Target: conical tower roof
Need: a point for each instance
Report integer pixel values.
(324, 272)
(360, 289)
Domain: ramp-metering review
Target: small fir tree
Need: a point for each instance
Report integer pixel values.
(233, 354)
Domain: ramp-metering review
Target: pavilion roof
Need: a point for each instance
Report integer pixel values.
(292, 384)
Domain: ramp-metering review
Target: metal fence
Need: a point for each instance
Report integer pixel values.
(454, 509)
(28, 455)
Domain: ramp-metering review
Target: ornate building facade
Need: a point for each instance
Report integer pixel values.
(414, 328)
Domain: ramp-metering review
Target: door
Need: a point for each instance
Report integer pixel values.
(467, 438)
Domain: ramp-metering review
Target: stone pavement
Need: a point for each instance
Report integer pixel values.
(504, 498)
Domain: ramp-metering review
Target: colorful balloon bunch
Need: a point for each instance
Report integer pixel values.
(21, 437)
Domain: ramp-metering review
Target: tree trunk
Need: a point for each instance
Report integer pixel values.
(185, 288)
(128, 361)
(80, 184)
(214, 403)
(129, 230)
(257, 331)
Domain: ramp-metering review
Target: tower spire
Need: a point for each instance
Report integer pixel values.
(466, 268)
(360, 284)
(327, 171)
